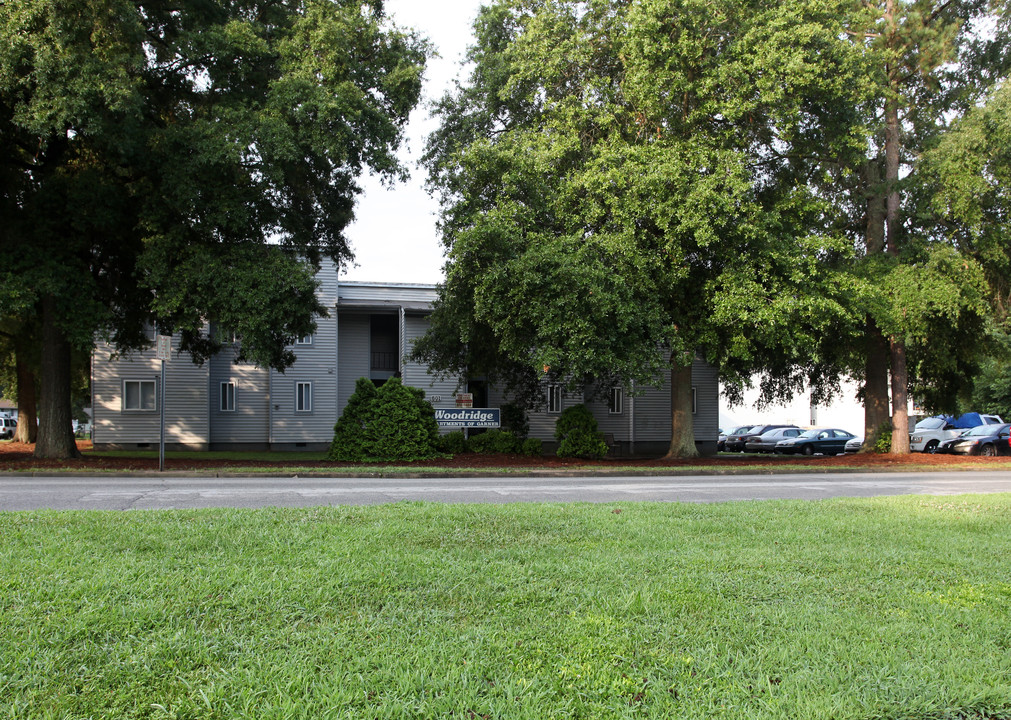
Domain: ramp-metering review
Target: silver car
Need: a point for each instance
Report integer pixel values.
(766, 442)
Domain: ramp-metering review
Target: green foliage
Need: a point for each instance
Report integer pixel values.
(883, 444)
(495, 441)
(174, 164)
(992, 390)
(577, 436)
(966, 177)
(622, 177)
(453, 443)
(532, 447)
(392, 422)
(515, 419)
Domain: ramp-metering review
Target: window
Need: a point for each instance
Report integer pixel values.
(307, 340)
(614, 400)
(150, 332)
(554, 398)
(227, 397)
(138, 395)
(694, 405)
(303, 397)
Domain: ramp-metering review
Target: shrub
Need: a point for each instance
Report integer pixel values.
(884, 441)
(532, 447)
(514, 419)
(577, 436)
(392, 422)
(453, 443)
(494, 441)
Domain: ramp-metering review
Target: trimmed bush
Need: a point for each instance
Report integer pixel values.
(391, 422)
(577, 436)
(494, 441)
(453, 443)
(532, 447)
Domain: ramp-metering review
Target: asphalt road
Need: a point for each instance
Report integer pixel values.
(169, 492)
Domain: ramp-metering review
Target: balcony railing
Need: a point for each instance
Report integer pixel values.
(384, 361)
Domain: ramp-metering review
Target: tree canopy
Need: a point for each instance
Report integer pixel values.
(168, 164)
(619, 178)
(714, 177)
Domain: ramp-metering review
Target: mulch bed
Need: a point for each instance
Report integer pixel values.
(16, 457)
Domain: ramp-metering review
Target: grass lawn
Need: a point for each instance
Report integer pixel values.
(881, 608)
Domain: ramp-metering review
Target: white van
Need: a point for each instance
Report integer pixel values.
(7, 427)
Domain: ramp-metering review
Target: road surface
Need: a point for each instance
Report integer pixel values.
(168, 492)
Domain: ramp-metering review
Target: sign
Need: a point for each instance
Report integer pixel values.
(465, 400)
(468, 417)
(164, 347)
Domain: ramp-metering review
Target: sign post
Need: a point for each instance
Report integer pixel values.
(164, 353)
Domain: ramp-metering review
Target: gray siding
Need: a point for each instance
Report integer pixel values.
(249, 422)
(315, 363)
(705, 380)
(186, 419)
(441, 392)
(352, 354)
(542, 422)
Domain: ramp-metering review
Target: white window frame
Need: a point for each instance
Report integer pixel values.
(554, 398)
(226, 396)
(307, 340)
(303, 403)
(140, 396)
(616, 400)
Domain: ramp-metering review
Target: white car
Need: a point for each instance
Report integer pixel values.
(854, 444)
(7, 427)
(930, 432)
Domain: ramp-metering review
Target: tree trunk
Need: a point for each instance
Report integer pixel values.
(876, 360)
(682, 428)
(28, 417)
(876, 411)
(900, 400)
(900, 378)
(56, 433)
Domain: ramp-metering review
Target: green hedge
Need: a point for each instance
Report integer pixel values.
(391, 422)
(577, 436)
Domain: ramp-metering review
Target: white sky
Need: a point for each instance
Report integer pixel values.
(394, 237)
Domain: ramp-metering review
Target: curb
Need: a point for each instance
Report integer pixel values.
(503, 473)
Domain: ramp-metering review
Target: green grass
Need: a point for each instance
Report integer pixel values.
(881, 608)
(293, 457)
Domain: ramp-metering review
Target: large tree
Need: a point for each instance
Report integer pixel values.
(169, 163)
(927, 61)
(618, 178)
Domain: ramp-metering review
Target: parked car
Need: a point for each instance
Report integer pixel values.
(827, 441)
(766, 442)
(735, 440)
(945, 446)
(721, 443)
(930, 432)
(7, 427)
(984, 440)
(754, 434)
(854, 444)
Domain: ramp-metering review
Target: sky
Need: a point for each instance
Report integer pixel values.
(394, 236)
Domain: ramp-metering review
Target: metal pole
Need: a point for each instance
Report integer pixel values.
(161, 433)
